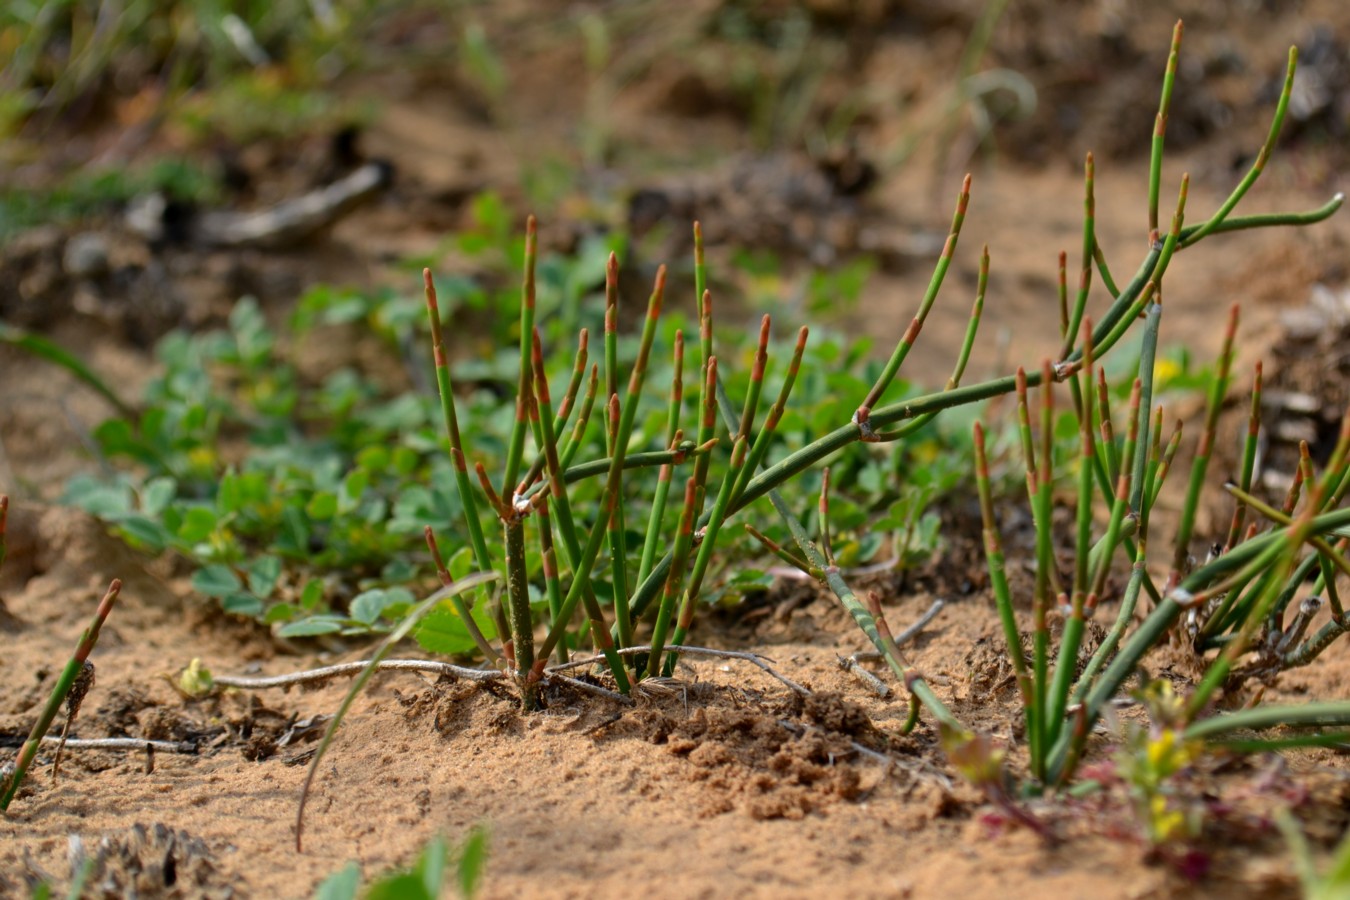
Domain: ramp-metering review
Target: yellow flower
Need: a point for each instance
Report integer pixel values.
(1167, 753)
(1164, 370)
(1165, 823)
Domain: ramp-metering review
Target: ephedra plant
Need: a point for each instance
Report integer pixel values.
(1245, 611)
(716, 463)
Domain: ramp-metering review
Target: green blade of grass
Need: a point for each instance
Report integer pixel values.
(59, 691)
(54, 353)
(415, 615)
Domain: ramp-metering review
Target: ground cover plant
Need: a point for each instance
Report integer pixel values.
(572, 509)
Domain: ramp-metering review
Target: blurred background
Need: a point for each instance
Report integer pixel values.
(161, 160)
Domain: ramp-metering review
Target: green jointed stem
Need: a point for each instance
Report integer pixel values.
(705, 547)
(1063, 292)
(574, 385)
(911, 334)
(518, 595)
(583, 560)
(1067, 664)
(1218, 390)
(1281, 107)
(549, 562)
(751, 406)
(516, 445)
(1103, 565)
(1045, 561)
(707, 388)
(1164, 616)
(1148, 351)
(912, 680)
(569, 451)
(564, 409)
(457, 601)
(663, 477)
(1218, 671)
(1164, 469)
(1100, 258)
(446, 388)
(1270, 220)
(611, 330)
(1110, 459)
(617, 548)
(1160, 130)
(649, 459)
(1085, 271)
(998, 578)
(783, 553)
(1122, 499)
(823, 517)
(770, 426)
(962, 358)
(1089, 452)
(1303, 715)
(684, 540)
(58, 695)
(541, 411)
(1248, 460)
(1320, 544)
(458, 462)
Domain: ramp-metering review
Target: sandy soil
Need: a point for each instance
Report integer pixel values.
(721, 782)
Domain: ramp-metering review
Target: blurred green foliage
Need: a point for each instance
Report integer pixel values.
(301, 499)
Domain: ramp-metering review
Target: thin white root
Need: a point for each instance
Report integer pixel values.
(310, 676)
(123, 744)
(753, 658)
(354, 668)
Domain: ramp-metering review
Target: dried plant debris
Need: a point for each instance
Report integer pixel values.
(149, 862)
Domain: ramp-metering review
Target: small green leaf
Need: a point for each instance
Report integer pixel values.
(216, 581)
(263, 573)
(472, 862)
(322, 506)
(145, 531)
(157, 494)
(341, 885)
(403, 886)
(311, 626)
(242, 604)
(198, 523)
(312, 594)
(374, 458)
(443, 631)
(367, 605)
(279, 612)
(431, 866)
